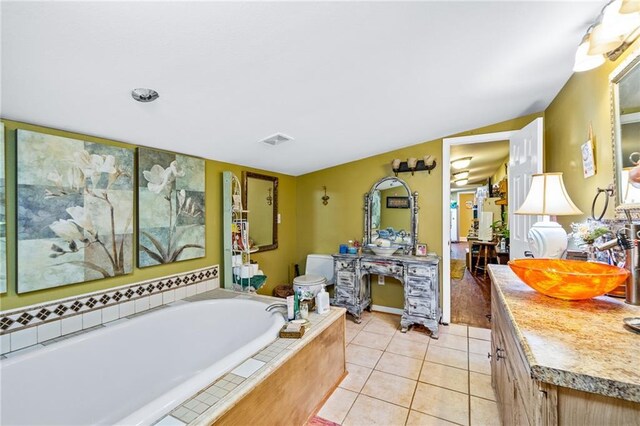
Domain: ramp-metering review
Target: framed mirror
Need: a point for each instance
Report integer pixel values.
(625, 124)
(260, 198)
(391, 213)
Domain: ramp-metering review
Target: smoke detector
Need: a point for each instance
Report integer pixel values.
(276, 139)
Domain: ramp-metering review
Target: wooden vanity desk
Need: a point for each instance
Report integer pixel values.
(419, 275)
(557, 362)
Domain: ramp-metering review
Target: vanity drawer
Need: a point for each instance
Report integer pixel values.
(419, 306)
(344, 295)
(382, 268)
(419, 287)
(345, 265)
(345, 279)
(421, 270)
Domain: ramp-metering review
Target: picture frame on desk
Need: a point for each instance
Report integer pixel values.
(421, 249)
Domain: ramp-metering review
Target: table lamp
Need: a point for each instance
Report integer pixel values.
(548, 197)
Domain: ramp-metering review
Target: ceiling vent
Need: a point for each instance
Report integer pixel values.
(276, 139)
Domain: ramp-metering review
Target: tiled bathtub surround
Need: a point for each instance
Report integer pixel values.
(24, 327)
(211, 403)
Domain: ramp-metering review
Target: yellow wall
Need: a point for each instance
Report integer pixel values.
(500, 172)
(322, 228)
(274, 263)
(260, 212)
(583, 100)
(398, 219)
(465, 215)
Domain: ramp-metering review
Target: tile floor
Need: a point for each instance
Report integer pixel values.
(411, 379)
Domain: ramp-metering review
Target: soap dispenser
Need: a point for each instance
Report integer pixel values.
(322, 301)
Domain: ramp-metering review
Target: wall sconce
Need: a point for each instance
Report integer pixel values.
(614, 30)
(269, 197)
(325, 197)
(413, 165)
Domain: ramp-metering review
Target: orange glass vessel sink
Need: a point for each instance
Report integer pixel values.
(568, 279)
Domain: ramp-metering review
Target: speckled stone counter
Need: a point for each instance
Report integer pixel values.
(582, 345)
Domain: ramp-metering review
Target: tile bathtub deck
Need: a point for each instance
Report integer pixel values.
(410, 379)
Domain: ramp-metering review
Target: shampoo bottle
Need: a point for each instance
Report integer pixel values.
(322, 301)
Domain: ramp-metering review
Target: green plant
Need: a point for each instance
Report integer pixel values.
(500, 227)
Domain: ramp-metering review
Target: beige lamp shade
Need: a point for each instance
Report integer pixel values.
(585, 62)
(548, 196)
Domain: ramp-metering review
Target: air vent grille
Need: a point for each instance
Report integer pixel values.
(276, 139)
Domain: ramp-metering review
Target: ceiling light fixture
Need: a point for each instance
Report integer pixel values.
(461, 163)
(615, 28)
(461, 175)
(461, 182)
(144, 95)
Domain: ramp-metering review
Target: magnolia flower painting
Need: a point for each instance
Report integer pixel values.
(75, 211)
(171, 216)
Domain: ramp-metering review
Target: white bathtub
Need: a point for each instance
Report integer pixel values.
(135, 371)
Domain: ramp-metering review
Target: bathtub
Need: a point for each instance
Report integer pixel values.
(135, 371)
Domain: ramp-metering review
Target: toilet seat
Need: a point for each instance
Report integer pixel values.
(309, 280)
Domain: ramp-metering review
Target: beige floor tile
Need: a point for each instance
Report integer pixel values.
(372, 340)
(388, 387)
(479, 363)
(416, 418)
(457, 329)
(420, 334)
(366, 317)
(444, 376)
(446, 356)
(350, 325)
(386, 317)
(443, 403)
(400, 365)
(338, 405)
(484, 413)
(356, 378)
(381, 327)
(361, 355)
(451, 341)
(367, 411)
(480, 333)
(408, 347)
(350, 333)
(482, 347)
(480, 385)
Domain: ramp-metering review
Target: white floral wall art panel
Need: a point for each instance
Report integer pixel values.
(171, 208)
(75, 211)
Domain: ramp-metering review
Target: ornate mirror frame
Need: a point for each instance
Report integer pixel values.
(274, 205)
(631, 62)
(413, 209)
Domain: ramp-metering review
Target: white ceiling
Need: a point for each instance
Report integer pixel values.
(486, 159)
(347, 80)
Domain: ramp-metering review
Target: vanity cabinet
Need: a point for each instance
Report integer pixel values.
(419, 276)
(536, 379)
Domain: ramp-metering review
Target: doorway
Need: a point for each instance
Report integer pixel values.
(525, 159)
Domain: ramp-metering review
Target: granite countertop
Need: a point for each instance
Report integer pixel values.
(582, 345)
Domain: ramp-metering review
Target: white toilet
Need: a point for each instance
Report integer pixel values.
(319, 272)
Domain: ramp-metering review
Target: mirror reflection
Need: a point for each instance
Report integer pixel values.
(626, 86)
(261, 200)
(390, 213)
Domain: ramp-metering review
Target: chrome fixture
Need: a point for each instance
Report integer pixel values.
(144, 95)
(279, 305)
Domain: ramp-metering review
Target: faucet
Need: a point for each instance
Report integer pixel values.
(627, 239)
(279, 305)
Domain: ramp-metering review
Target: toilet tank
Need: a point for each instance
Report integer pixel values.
(320, 264)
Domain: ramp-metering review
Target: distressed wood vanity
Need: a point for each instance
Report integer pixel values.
(419, 276)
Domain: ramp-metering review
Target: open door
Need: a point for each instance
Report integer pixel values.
(525, 160)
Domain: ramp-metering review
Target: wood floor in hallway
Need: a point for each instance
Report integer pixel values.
(470, 296)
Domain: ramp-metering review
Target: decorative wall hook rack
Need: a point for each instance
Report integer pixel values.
(425, 164)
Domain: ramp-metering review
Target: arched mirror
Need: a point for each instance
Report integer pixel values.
(625, 122)
(391, 214)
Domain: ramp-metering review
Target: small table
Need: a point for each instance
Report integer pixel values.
(483, 255)
(502, 255)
